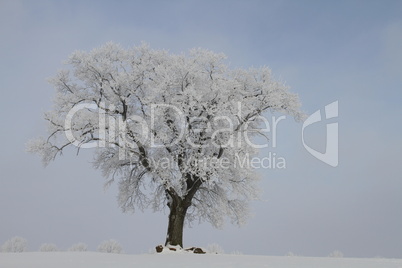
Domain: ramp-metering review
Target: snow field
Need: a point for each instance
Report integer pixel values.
(179, 260)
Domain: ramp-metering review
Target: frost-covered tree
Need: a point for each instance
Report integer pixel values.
(110, 246)
(173, 130)
(336, 254)
(79, 247)
(48, 247)
(215, 249)
(15, 244)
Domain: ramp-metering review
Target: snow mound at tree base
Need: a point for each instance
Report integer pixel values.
(178, 249)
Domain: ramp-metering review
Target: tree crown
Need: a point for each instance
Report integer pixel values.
(168, 127)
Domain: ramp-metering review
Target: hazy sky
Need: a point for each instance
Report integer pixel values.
(346, 51)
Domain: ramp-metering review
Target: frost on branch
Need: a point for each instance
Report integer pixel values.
(46, 150)
(163, 124)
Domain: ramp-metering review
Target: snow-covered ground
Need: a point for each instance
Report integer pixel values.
(104, 260)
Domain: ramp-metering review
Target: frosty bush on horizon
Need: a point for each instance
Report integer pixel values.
(291, 254)
(336, 254)
(110, 246)
(236, 252)
(15, 244)
(48, 247)
(215, 249)
(79, 247)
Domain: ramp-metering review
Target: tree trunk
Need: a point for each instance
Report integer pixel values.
(178, 211)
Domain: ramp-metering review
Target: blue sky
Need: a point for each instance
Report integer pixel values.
(346, 51)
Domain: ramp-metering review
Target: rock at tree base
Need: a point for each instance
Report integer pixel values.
(198, 251)
(159, 248)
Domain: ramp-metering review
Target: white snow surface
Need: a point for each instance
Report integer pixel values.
(107, 260)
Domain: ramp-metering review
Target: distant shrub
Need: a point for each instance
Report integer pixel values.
(291, 254)
(15, 244)
(236, 252)
(336, 254)
(215, 249)
(48, 247)
(110, 246)
(79, 247)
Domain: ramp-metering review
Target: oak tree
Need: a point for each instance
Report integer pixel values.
(172, 130)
